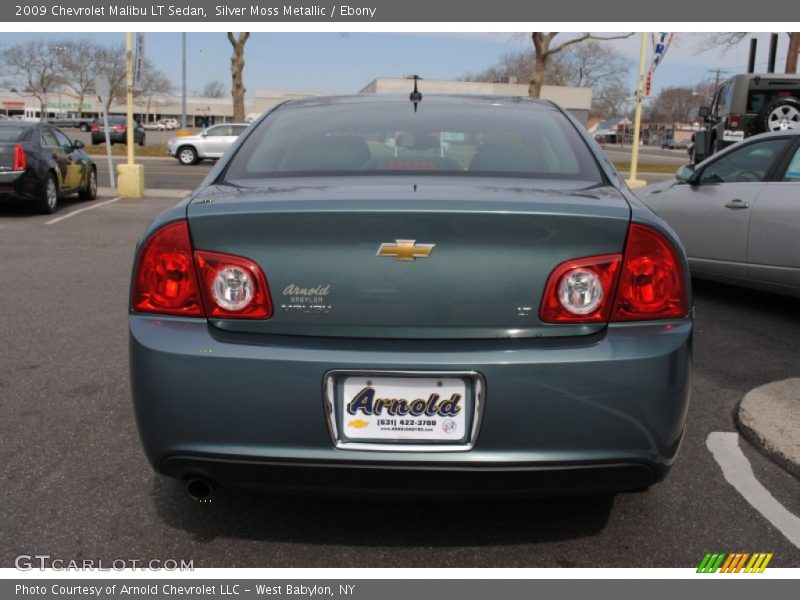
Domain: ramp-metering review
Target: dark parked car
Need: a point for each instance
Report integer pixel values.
(117, 131)
(494, 314)
(39, 163)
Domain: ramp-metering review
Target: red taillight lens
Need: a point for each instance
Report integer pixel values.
(652, 284)
(734, 121)
(20, 158)
(233, 286)
(165, 281)
(581, 290)
(646, 282)
(173, 279)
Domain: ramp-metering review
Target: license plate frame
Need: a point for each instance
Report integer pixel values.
(333, 399)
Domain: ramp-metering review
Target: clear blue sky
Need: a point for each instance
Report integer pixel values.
(332, 62)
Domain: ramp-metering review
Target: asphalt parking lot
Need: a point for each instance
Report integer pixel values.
(75, 484)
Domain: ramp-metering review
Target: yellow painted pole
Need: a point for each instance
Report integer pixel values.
(129, 86)
(637, 119)
(130, 180)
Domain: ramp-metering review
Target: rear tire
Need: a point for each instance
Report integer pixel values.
(48, 202)
(141, 141)
(187, 155)
(84, 127)
(90, 192)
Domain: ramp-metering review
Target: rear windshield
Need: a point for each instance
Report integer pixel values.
(757, 100)
(11, 134)
(391, 138)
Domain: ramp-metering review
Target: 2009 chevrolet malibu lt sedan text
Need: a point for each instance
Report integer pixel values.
(456, 295)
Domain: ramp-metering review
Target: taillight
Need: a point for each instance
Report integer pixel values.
(233, 286)
(95, 127)
(646, 282)
(174, 279)
(20, 158)
(119, 128)
(652, 284)
(166, 282)
(581, 290)
(734, 121)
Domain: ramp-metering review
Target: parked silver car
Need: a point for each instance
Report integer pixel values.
(737, 213)
(212, 142)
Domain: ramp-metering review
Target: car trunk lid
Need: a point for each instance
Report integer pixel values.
(492, 245)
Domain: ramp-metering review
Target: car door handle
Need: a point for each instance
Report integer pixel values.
(737, 204)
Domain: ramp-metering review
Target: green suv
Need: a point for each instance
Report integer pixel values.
(745, 105)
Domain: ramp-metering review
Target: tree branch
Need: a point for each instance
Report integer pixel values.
(589, 36)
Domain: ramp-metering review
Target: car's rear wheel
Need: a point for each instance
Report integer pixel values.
(780, 115)
(141, 140)
(84, 127)
(187, 155)
(48, 202)
(90, 191)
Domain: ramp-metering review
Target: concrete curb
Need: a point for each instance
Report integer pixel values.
(769, 417)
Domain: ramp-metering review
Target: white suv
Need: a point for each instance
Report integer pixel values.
(212, 142)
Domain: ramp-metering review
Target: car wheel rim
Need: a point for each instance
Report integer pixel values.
(784, 117)
(51, 194)
(187, 156)
(92, 183)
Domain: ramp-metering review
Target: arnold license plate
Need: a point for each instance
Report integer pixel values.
(397, 409)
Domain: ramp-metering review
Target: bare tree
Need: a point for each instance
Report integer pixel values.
(733, 38)
(544, 51)
(592, 64)
(111, 62)
(213, 89)
(237, 68)
(35, 64)
(153, 83)
(610, 100)
(674, 105)
(77, 62)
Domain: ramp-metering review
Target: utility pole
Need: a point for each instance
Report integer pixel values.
(718, 73)
(183, 81)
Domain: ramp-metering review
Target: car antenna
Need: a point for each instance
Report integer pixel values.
(416, 95)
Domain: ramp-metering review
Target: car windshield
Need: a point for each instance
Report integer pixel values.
(11, 134)
(366, 138)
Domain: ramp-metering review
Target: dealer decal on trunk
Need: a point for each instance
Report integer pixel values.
(307, 300)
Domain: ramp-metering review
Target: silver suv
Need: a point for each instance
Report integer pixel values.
(212, 142)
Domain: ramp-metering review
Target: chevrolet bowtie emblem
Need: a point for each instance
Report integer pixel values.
(406, 250)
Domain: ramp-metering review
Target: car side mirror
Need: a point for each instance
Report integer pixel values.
(77, 144)
(704, 112)
(687, 174)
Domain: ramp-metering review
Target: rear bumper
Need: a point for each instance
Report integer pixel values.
(603, 412)
(394, 480)
(19, 185)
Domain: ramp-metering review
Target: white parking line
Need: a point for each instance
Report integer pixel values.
(80, 210)
(739, 473)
